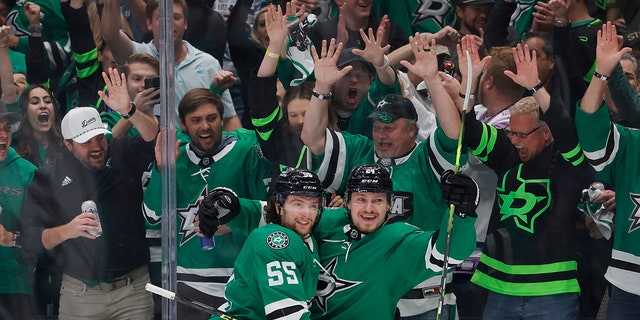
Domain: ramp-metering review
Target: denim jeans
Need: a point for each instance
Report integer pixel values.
(557, 306)
(623, 305)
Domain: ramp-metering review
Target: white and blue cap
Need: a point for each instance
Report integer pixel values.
(81, 124)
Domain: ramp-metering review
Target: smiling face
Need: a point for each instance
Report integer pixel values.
(5, 138)
(473, 17)
(368, 210)
(40, 110)
(395, 139)
(91, 154)
(204, 127)
(299, 213)
(539, 135)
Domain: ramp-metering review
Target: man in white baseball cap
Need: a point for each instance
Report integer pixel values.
(103, 274)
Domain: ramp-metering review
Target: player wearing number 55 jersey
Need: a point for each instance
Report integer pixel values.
(276, 273)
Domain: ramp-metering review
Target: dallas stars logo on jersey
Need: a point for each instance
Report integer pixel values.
(187, 216)
(529, 200)
(635, 214)
(329, 284)
(278, 240)
(438, 11)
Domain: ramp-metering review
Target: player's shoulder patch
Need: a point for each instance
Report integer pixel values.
(278, 240)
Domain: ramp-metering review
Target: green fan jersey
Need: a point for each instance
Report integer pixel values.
(54, 27)
(416, 176)
(417, 15)
(275, 276)
(238, 166)
(15, 267)
(365, 278)
(614, 152)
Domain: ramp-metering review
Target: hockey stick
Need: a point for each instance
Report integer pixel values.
(447, 248)
(186, 301)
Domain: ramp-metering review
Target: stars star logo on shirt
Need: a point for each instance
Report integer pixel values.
(329, 284)
(187, 215)
(635, 214)
(431, 9)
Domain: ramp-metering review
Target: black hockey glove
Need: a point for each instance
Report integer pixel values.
(461, 191)
(220, 206)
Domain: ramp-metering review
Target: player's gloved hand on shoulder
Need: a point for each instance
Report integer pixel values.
(461, 191)
(220, 206)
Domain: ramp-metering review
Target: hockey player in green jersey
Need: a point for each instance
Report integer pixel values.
(212, 158)
(614, 152)
(415, 168)
(276, 273)
(359, 248)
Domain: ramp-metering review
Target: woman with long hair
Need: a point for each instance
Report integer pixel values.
(39, 138)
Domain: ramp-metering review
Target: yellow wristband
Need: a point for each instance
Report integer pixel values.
(271, 54)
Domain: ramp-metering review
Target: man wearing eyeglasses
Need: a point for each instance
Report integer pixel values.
(528, 262)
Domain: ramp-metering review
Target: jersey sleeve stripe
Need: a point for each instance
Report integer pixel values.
(285, 309)
(599, 159)
(334, 158)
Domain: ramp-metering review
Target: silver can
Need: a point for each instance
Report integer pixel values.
(90, 206)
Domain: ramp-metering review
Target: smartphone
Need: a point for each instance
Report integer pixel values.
(152, 82)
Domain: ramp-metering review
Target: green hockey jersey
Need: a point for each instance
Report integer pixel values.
(416, 176)
(614, 152)
(275, 276)
(238, 166)
(365, 278)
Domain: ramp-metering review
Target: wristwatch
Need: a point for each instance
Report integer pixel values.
(126, 116)
(536, 88)
(322, 96)
(35, 28)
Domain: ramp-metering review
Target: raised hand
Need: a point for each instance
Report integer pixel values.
(295, 10)
(383, 31)
(276, 26)
(118, 98)
(559, 10)
(426, 60)
(526, 67)
(32, 11)
(468, 43)
(374, 50)
(325, 69)
(5, 36)
(607, 53)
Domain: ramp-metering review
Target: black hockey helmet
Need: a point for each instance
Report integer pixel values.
(300, 182)
(369, 178)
